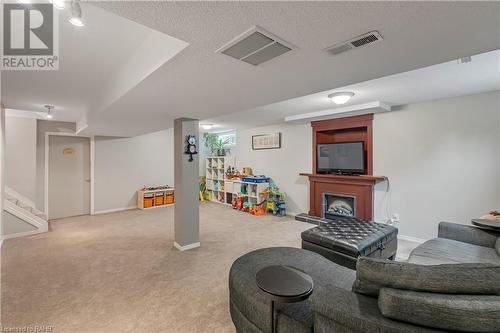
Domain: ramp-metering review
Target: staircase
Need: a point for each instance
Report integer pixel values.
(24, 209)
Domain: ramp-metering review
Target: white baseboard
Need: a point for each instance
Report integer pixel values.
(22, 234)
(114, 210)
(186, 247)
(411, 239)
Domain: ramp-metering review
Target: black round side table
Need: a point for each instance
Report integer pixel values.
(284, 284)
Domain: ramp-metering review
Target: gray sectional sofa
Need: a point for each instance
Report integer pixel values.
(450, 283)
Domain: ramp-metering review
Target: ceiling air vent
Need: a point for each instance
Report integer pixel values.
(368, 38)
(255, 46)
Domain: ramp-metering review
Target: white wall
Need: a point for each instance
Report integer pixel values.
(13, 225)
(282, 165)
(20, 155)
(124, 165)
(442, 159)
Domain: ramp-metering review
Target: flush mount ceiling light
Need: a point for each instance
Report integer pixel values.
(49, 108)
(76, 14)
(59, 4)
(207, 126)
(341, 97)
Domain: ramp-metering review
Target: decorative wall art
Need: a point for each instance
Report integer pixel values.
(266, 141)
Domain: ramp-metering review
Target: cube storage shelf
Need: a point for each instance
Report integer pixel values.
(155, 198)
(223, 190)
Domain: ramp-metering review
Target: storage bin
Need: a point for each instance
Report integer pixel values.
(169, 199)
(159, 199)
(148, 202)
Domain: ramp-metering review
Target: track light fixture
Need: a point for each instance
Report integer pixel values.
(76, 14)
(49, 108)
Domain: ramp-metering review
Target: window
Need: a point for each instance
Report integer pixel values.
(229, 138)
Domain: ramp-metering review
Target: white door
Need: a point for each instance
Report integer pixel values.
(69, 176)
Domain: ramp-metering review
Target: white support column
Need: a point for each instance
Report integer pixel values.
(186, 211)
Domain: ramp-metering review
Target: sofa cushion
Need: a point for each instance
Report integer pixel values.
(446, 251)
(497, 246)
(254, 304)
(373, 274)
(469, 313)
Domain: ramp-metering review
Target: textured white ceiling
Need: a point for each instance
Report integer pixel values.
(200, 83)
(448, 79)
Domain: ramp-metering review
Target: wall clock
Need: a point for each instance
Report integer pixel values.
(191, 147)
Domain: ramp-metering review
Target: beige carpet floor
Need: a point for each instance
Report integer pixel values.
(120, 273)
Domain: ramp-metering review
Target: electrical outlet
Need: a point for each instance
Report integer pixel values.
(395, 218)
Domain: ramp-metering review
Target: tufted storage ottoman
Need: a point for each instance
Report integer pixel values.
(345, 239)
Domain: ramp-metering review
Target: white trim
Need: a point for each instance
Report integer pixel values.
(1, 242)
(81, 129)
(186, 247)
(26, 215)
(107, 211)
(19, 196)
(46, 177)
(370, 107)
(411, 239)
(22, 234)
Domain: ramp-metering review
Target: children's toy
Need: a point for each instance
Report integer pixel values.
(275, 200)
(280, 208)
(256, 179)
(259, 209)
(238, 202)
(246, 206)
(271, 206)
(247, 171)
(202, 181)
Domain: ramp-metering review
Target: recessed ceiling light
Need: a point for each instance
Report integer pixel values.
(76, 14)
(59, 4)
(207, 126)
(341, 97)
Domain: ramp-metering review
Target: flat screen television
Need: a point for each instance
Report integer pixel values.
(342, 157)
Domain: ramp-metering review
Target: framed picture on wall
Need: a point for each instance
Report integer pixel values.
(266, 141)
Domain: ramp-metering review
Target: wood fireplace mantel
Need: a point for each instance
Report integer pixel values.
(360, 187)
(347, 129)
(361, 179)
